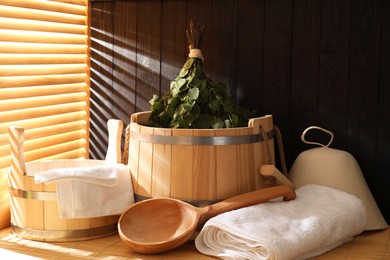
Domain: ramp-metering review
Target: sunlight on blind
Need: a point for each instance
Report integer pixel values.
(44, 81)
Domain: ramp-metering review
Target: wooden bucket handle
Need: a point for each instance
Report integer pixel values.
(256, 124)
(114, 151)
(16, 139)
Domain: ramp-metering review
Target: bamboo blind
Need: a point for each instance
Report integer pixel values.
(44, 81)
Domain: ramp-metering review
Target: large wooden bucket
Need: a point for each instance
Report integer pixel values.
(34, 207)
(200, 166)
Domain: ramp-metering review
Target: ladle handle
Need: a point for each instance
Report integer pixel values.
(250, 198)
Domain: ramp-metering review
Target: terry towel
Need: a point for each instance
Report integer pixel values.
(85, 192)
(318, 220)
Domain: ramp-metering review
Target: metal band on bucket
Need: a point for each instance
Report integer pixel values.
(196, 203)
(59, 235)
(200, 140)
(33, 195)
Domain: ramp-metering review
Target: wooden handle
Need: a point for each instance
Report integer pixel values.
(248, 199)
(18, 165)
(140, 117)
(114, 151)
(268, 170)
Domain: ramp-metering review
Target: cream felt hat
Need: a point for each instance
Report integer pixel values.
(337, 169)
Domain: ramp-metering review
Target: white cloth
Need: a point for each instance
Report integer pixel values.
(318, 220)
(85, 192)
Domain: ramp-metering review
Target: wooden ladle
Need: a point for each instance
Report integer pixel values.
(161, 224)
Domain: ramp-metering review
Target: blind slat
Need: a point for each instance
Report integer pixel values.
(75, 154)
(41, 112)
(47, 141)
(38, 69)
(41, 48)
(56, 151)
(41, 101)
(40, 15)
(12, 59)
(63, 7)
(47, 131)
(23, 81)
(75, 2)
(46, 121)
(41, 37)
(28, 25)
(40, 153)
(23, 92)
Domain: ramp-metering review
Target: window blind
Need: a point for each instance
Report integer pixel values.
(44, 81)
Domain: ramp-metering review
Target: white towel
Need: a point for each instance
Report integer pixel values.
(318, 220)
(85, 192)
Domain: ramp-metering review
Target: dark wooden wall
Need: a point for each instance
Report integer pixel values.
(306, 62)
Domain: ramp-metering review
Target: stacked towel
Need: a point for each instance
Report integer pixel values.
(318, 220)
(85, 192)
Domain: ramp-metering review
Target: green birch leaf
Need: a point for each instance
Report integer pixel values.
(193, 93)
(215, 106)
(216, 122)
(158, 106)
(180, 83)
(184, 72)
(188, 63)
(154, 98)
(203, 121)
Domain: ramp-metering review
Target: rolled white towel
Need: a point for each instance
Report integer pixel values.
(318, 220)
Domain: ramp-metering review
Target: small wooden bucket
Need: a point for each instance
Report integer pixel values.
(34, 207)
(200, 166)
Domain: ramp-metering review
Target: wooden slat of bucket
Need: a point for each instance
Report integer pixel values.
(246, 169)
(161, 176)
(226, 167)
(78, 223)
(182, 168)
(133, 156)
(52, 218)
(101, 221)
(260, 158)
(204, 174)
(34, 209)
(19, 205)
(145, 165)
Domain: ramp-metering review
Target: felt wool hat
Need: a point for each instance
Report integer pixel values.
(337, 169)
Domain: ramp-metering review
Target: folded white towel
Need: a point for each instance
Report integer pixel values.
(105, 175)
(85, 192)
(318, 220)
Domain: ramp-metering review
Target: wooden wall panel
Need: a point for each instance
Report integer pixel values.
(306, 62)
(174, 46)
(303, 107)
(275, 68)
(382, 152)
(125, 60)
(102, 40)
(363, 89)
(334, 62)
(223, 42)
(148, 52)
(250, 47)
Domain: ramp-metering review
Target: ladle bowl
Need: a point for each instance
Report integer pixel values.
(162, 224)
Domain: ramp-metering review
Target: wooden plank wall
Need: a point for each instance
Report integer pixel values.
(306, 62)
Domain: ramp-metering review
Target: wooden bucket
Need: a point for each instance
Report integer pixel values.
(34, 207)
(200, 166)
